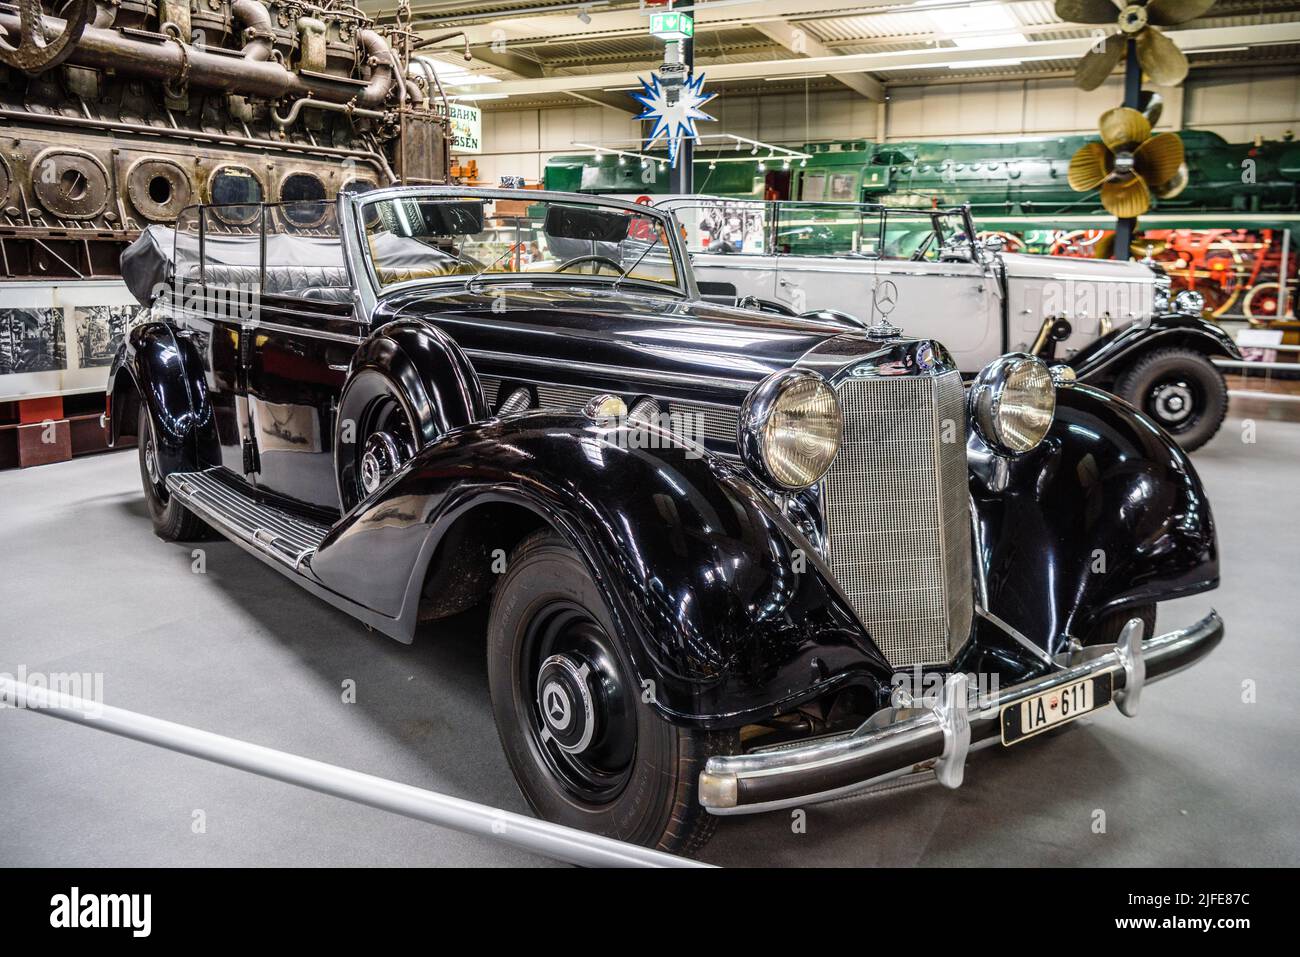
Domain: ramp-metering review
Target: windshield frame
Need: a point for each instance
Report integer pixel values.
(673, 203)
(370, 291)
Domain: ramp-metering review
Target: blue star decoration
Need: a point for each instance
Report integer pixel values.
(675, 121)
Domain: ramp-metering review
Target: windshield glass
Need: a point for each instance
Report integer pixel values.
(468, 237)
(927, 237)
(834, 230)
(811, 229)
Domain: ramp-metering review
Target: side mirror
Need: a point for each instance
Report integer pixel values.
(995, 244)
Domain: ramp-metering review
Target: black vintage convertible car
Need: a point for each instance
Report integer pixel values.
(735, 561)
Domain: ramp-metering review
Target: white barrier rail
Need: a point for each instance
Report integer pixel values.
(1274, 346)
(1265, 396)
(542, 837)
(1245, 365)
(1250, 364)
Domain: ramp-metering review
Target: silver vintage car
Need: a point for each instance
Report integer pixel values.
(926, 271)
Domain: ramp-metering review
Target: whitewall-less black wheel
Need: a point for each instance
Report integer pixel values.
(1181, 390)
(586, 748)
(171, 520)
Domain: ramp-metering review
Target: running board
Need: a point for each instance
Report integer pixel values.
(288, 538)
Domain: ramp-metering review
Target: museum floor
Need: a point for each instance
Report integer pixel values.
(1199, 778)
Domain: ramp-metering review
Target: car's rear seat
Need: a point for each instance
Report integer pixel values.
(326, 283)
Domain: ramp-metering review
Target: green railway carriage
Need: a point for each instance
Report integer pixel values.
(1021, 177)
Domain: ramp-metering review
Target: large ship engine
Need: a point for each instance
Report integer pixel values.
(120, 113)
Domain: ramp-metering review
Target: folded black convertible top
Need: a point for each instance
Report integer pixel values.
(147, 263)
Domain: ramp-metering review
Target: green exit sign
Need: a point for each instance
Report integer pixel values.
(672, 26)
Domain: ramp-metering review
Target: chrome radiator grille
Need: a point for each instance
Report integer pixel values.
(898, 515)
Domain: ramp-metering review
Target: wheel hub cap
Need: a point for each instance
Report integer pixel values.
(381, 458)
(1173, 402)
(151, 461)
(565, 702)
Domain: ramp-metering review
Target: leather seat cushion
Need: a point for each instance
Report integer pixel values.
(328, 283)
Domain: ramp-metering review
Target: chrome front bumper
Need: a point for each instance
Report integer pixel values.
(898, 742)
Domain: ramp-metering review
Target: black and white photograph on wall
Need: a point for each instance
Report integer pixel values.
(728, 227)
(31, 340)
(99, 331)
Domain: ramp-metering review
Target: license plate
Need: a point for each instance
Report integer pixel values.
(1024, 719)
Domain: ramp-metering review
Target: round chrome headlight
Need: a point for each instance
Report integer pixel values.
(1013, 401)
(1189, 303)
(790, 428)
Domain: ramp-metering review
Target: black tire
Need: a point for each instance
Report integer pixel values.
(1180, 390)
(172, 521)
(1107, 628)
(636, 779)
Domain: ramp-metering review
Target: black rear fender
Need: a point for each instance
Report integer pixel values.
(159, 367)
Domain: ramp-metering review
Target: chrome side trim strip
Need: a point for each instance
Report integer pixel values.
(717, 260)
(302, 331)
(596, 368)
(255, 324)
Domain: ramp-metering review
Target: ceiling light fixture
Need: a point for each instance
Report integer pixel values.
(989, 41)
(622, 155)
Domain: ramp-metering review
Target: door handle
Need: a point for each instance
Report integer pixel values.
(784, 282)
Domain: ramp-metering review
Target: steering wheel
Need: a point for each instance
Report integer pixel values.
(618, 267)
(34, 53)
(764, 305)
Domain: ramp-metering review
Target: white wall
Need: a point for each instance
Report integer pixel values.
(1240, 110)
(518, 142)
(1008, 108)
(1238, 107)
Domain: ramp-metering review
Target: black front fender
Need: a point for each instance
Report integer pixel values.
(1106, 513)
(699, 569)
(1101, 361)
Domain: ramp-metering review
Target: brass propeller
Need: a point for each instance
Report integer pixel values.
(1129, 165)
(1159, 56)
